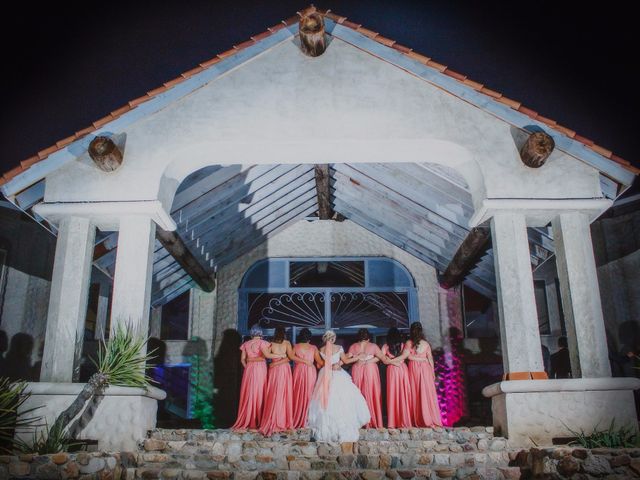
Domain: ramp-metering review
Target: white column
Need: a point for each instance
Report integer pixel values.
(132, 279)
(580, 296)
(521, 351)
(68, 299)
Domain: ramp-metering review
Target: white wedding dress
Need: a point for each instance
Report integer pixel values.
(346, 410)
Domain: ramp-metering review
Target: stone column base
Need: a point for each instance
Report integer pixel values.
(534, 412)
(119, 420)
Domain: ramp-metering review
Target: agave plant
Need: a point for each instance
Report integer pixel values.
(12, 397)
(121, 361)
(46, 441)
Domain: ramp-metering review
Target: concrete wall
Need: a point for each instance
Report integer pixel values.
(24, 294)
(347, 105)
(327, 238)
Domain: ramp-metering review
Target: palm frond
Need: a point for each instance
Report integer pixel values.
(47, 441)
(123, 358)
(12, 397)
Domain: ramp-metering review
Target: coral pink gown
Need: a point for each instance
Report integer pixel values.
(398, 394)
(426, 412)
(304, 379)
(254, 384)
(277, 414)
(366, 376)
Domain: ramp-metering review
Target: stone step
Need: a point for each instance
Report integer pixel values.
(322, 449)
(432, 473)
(257, 462)
(439, 434)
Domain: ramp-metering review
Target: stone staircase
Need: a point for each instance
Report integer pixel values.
(382, 453)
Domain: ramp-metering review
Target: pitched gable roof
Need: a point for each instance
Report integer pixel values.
(407, 52)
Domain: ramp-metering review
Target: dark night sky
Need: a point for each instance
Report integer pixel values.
(569, 65)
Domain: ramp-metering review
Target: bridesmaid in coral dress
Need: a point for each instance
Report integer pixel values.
(426, 412)
(254, 381)
(398, 386)
(277, 414)
(304, 376)
(366, 376)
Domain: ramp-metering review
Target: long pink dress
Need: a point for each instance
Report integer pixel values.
(304, 379)
(426, 412)
(398, 394)
(254, 384)
(277, 414)
(366, 376)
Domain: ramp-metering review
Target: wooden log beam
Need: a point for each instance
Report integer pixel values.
(325, 212)
(466, 257)
(312, 40)
(105, 154)
(172, 242)
(536, 150)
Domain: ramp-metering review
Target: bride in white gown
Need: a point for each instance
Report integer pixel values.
(337, 409)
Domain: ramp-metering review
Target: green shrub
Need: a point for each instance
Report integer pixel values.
(46, 441)
(623, 437)
(12, 397)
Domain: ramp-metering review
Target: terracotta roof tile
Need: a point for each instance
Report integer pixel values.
(156, 91)
(418, 57)
(291, 20)
(349, 24)
(473, 84)
(436, 65)
(336, 18)
(618, 159)
(584, 140)
(121, 110)
(243, 45)
(48, 151)
(401, 48)
(508, 102)
(103, 121)
(547, 121)
(30, 161)
(527, 111)
(192, 72)
(174, 82)
(227, 53)
(567, 131)
(601, 150)
(85, 131)
(343, 21)
(65, 141)
(137, 101)
(367, 32)
(13, 173)
(384, 40)
(275, 28)
(456, 75)
(491, 93)
(256, 38)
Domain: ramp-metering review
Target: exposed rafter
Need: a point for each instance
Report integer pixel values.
(325, 212)
(466, 257)
(172, 242)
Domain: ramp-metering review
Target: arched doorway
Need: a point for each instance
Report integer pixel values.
(341, 293)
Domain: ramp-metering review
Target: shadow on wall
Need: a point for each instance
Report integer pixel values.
(15, 364)
(228, 374)
(624, 359)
